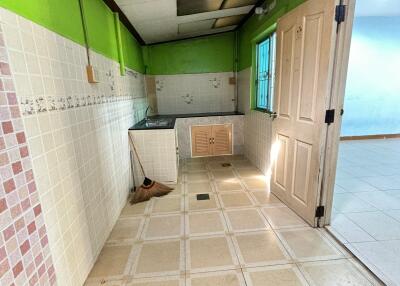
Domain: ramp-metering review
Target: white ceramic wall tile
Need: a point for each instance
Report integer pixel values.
(257, 134)
(183, 126)
(195, 93)
(244, 90)
(157, 151)
(77, 134)
(257, 126)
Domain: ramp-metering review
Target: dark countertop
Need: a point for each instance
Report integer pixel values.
(141, 124)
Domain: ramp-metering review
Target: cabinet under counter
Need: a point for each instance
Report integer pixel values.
(181, 125)
(211, 140)
(230, 133)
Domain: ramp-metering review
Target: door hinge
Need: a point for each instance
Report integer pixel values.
(330, 116)
(320, 211)
(340, 13)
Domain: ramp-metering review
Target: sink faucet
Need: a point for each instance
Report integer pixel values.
(147, 109)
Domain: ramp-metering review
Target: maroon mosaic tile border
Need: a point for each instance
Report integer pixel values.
(24, 247)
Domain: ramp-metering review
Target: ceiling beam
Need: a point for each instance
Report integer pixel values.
(115, 8)
(190, 38)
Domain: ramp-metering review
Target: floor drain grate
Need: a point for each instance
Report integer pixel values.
(202, 197)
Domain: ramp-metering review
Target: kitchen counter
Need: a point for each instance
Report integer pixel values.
(141, 125)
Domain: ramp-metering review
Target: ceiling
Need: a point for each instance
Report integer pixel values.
(166, 20)
(377, 8)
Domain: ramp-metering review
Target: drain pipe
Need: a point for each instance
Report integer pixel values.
(119, 44)
(91, 73)
(84, 27)
(235, 70)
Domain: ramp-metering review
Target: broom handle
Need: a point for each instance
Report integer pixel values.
(136, 153)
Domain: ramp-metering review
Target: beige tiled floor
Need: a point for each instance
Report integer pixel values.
(366, 204)
(242, 236)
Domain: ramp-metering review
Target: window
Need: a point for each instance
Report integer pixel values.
(265, 73)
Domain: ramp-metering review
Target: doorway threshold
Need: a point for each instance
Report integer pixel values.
(368, 265)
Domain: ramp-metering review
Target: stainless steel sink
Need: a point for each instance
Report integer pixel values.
(161, 122)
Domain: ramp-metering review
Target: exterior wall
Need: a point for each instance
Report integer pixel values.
(77, 137)
(195, 93)
(372, 97)
(183, 127)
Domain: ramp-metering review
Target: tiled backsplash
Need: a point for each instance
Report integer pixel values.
(77, 137)
(183, 125)
(195, 93)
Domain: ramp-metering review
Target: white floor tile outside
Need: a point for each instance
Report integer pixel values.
(242, 236)
(366, 207)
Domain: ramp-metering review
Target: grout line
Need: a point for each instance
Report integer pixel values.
(293, 261)
(360, 225)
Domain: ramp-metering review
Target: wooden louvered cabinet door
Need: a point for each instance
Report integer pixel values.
(211, 140)
(222, 139)
(201, 141)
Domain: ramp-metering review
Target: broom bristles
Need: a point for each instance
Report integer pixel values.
(146, 191)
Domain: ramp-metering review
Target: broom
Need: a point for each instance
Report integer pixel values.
(149, 188)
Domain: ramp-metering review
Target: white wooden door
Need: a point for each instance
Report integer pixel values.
(305, 52)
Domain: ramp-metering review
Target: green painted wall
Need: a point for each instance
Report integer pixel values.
(256, 25)
(100, 28)
(255, 30)
(63, 17)
(132, 51)
(60, 16)
(200, 55)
